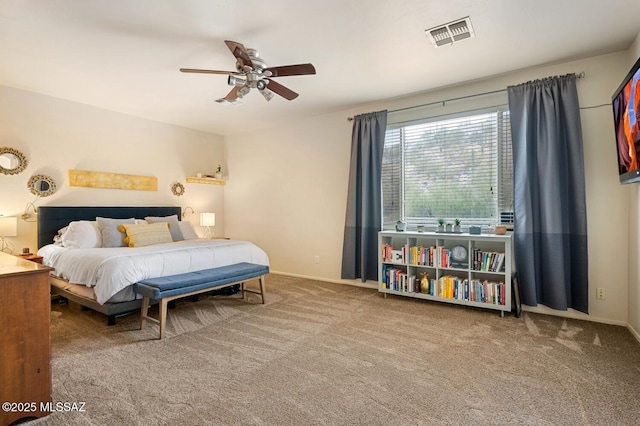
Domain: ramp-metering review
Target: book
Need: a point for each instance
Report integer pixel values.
(397, 256)
(499, 266)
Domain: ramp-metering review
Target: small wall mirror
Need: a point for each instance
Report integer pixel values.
(41, 185)
(177, 189)
(12, 161)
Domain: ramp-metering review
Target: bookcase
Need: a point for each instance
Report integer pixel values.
(482, 279)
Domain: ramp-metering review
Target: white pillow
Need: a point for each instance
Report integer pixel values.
(188, 230)
(82, 234)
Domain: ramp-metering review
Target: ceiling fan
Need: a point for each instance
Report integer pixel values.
(253, 73)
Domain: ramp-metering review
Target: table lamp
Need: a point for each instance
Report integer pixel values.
(8, 228)
(208, 220)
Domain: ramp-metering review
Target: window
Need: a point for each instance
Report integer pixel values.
(457, 166)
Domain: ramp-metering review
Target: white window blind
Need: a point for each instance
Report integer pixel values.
(449, 167)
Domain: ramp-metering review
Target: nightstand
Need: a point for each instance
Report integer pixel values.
(25, 321)
(32, 257)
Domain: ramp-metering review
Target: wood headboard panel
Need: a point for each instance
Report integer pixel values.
(51, 219)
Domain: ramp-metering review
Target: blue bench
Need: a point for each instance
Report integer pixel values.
(166, 289)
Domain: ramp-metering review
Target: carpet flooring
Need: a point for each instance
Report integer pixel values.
(327, 354)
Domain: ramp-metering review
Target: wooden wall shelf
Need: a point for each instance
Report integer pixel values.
(210, 181)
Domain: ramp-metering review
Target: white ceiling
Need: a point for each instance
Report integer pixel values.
(124, 55)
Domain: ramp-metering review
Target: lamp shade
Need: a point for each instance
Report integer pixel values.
(207, 219)
(8, 226)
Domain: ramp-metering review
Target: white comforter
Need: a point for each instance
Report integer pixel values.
(109, 270)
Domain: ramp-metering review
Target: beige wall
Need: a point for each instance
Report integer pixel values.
(634, 231)
(57, 135)
(288, 185)
(287, 191)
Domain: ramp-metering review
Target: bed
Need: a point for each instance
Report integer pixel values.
(102, 278)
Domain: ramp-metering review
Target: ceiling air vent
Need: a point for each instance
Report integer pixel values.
(450, 33)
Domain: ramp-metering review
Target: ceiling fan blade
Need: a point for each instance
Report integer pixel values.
(286, 70)
(239, 52)
(208, 71)
(231, 97)
(233, 94)
(281, 90)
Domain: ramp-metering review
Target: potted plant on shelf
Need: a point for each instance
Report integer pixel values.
(449, 226)
(440, 225)
(456, 226)
(218, 174)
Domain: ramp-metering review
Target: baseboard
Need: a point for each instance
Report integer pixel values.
(533, 309)
(572, 314)
(634, 332)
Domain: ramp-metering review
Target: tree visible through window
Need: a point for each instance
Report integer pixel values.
(450, 167)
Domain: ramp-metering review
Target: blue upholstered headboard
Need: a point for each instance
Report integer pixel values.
(51, 219)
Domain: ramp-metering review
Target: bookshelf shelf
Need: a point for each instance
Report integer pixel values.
(483, 280)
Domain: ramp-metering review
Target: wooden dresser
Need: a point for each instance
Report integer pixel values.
(25, 341)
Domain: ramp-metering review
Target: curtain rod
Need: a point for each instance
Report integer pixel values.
(579, 75)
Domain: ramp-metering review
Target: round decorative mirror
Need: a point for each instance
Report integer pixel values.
(177, 189)
(41, 185)
(12, 161)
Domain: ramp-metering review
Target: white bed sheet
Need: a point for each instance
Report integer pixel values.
(110, 270)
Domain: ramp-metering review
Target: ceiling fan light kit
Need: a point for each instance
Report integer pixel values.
(253, 73)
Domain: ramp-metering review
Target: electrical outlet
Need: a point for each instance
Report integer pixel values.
(601, 294)
(317, 259)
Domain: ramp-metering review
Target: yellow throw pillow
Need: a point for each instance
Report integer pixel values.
(146, 234)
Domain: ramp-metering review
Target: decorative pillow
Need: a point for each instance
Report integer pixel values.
(82, 234)
(111, 236)
(146, 234)
(174, 225)
(57, 239)
(188, 231)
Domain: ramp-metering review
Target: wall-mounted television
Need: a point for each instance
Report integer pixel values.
(626, 117)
